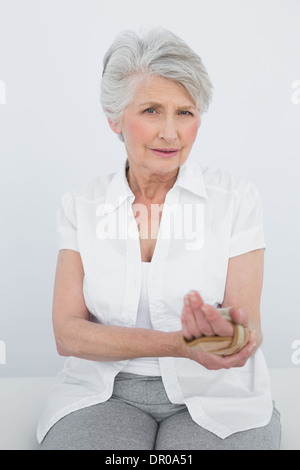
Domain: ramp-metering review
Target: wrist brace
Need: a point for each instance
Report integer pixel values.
(222, 345)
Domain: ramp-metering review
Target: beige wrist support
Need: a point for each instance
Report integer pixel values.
(222, 345)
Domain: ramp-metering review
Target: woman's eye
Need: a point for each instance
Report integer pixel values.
(153, 110)
(149, 110)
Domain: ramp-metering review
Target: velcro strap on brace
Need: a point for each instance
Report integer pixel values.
(222, 345)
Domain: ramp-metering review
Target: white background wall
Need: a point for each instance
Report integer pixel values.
(54, 136)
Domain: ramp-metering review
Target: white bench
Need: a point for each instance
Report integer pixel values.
(22, 400)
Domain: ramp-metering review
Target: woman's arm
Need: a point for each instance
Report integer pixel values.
(244, 286)
(76, 335)
(243, 293)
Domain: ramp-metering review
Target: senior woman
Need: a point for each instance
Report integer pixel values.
(160, 266)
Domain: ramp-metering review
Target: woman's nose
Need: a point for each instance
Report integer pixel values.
(168, 130)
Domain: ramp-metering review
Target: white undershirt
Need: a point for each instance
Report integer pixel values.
(143, 365)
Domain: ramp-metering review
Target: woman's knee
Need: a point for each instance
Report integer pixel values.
(111, 425)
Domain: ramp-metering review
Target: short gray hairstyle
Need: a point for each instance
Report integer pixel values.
(156, 52)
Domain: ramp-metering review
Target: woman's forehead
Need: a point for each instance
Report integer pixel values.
(157, 90)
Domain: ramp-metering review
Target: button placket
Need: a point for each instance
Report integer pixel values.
(133, 268)
(158, 313)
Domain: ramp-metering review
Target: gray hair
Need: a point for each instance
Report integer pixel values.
(156, 52)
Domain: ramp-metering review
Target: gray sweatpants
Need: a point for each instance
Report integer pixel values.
(139, 416)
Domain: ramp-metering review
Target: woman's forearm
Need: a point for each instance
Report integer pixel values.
(81, 338)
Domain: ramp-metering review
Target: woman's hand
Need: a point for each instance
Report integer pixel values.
(204, 320)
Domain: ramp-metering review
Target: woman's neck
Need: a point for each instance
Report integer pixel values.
(149, 189)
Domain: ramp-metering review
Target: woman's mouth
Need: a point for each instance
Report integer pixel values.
(165, 153)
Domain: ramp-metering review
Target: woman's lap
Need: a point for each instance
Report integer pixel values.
(140, 416)
(180, 432)
(111, 425)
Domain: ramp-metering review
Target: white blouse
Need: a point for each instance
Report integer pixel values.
(143, 365)
(208, 216)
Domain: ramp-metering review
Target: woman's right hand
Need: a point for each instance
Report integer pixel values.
(204, 320)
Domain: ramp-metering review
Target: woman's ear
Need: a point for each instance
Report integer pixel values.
(115, 126)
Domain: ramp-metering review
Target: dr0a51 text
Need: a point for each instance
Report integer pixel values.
(166, 459)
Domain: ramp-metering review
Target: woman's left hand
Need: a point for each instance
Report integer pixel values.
(199, 319)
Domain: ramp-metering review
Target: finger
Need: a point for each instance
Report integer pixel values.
(239, 316)
(185, 330)
(240, 358)
(219, 325)
(209, 361)
(202, 323)
(214, 362)
(190, 321)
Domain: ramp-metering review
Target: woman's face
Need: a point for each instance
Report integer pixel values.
(159, 126)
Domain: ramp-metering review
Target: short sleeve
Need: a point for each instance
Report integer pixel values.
(247, 232)
(66, 226)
